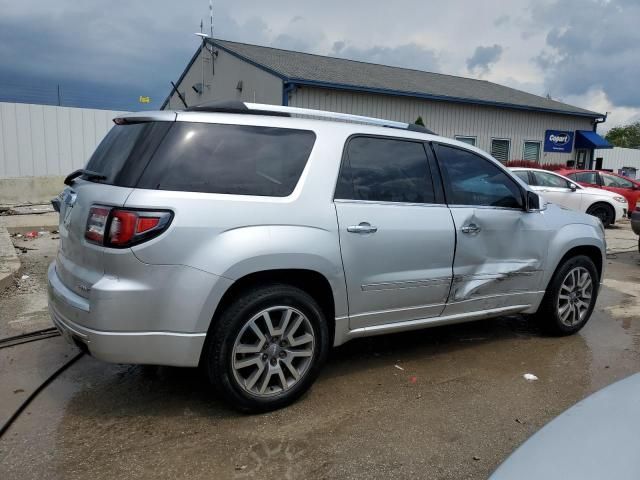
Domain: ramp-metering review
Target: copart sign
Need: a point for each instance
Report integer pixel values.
(558, 141)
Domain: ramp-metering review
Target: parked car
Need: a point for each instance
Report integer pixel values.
(628, 188)
(609, 207)
(635, 223)
(246, 240)
(596, 438)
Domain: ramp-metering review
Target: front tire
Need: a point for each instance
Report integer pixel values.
(604, 212)
(570, 297)
(267, 348)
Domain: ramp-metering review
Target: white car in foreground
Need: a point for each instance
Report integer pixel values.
(609, 207)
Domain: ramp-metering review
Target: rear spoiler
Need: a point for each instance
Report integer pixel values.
(141, 117)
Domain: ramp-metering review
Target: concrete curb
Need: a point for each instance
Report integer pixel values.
(26, 223)
(9, 261)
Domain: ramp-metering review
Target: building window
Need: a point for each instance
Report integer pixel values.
(531, 151)
(468, 140)
(500, 149)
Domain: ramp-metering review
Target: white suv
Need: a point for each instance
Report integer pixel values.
(609, 207)
(249, 239)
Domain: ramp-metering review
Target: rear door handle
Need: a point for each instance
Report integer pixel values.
(362, 227)
(471, 228)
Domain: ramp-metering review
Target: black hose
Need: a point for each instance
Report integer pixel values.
(29, 337)
(34, 394)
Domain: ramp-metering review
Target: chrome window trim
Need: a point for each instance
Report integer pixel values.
(381, 202)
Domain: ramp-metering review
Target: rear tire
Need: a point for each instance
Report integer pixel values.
(267, 348)
(570, 297)
(604, 212)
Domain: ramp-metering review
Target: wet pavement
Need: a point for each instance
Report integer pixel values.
(456, 407)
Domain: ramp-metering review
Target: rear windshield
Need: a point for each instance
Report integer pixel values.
(233, 159)
(204, 157)
(125, 151)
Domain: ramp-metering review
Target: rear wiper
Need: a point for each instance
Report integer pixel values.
(90, 174)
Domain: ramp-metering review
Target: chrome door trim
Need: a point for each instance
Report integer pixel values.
(395, 310)
(405, 284)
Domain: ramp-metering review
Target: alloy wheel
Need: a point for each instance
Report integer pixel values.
(575, 296)
(273, 351)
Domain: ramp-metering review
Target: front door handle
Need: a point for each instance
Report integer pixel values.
(470, 228)
(363, 227)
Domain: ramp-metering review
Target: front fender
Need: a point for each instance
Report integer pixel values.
(568, 237)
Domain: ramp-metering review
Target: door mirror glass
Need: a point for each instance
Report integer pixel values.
(535, 202)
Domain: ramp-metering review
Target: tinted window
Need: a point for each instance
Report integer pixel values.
(232, 159)
(473, 180)
(586, 177)
(387, 170)
(613, 181)
(125, 151)
(544, 179)
(522, 175)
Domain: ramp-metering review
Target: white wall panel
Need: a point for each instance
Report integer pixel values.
(42, 140)
(450, 119)
(617, 158)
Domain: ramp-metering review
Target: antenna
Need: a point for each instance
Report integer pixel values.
(211, 17)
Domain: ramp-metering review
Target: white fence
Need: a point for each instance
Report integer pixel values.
(43, 140)
(617, 158)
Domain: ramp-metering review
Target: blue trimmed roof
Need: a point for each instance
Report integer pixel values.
(339, 73)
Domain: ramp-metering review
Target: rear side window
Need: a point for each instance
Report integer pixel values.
(586, 177)
(385, 170)
(125, 151)
(613, 181)
(231, 159)
(475, 181)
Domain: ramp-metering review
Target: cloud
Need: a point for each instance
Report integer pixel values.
(592, 46)
(482, 57)
(302, 35)
(501, 20)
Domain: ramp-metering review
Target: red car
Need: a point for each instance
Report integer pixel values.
(629, 189)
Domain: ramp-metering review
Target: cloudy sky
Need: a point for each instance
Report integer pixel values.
(107, 53)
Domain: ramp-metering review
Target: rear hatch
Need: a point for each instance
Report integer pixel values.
(121, 158)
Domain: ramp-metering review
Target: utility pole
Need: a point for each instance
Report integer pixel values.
(59, 103)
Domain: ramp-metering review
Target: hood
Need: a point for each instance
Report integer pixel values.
(600, 192)
(596, 438)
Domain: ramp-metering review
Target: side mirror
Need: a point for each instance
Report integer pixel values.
(535, 202)
(573, 187)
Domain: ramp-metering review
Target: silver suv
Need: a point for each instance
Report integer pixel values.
(248, 239)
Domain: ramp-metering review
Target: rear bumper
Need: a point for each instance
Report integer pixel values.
(136, 347)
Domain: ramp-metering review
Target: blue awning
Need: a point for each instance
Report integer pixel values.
(590, 140)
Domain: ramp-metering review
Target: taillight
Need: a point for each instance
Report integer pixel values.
(119, 227)
(97, 224)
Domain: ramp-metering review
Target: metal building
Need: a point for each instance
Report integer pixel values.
(511, 124)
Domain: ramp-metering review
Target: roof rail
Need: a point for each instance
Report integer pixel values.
(278, 110)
